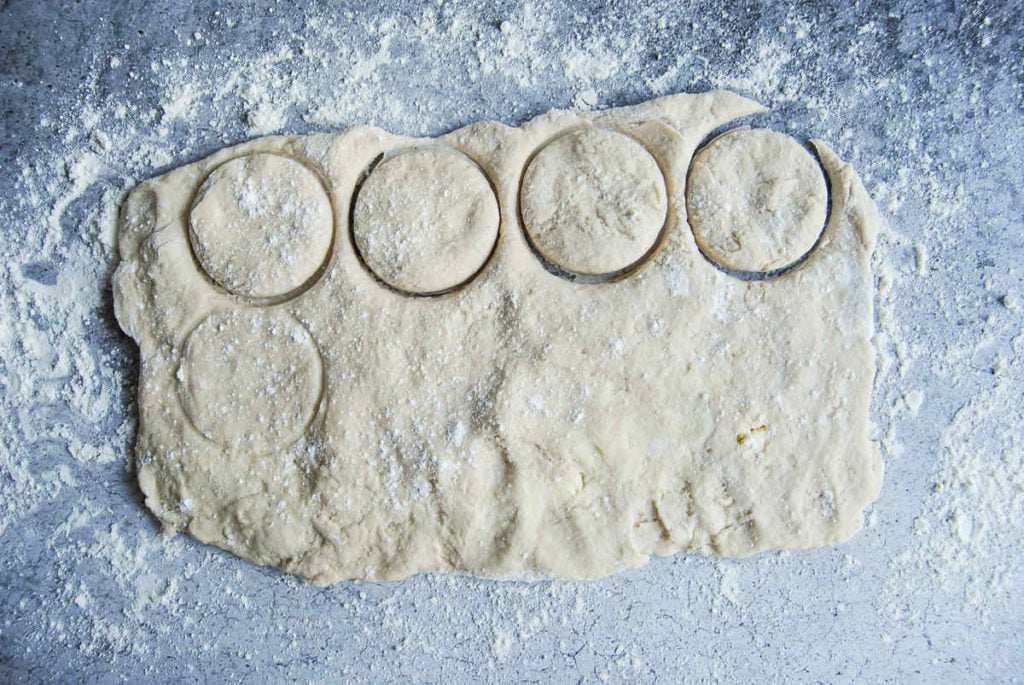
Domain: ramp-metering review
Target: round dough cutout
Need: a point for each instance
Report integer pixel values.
(425, 220)
(593, 202)
(756, 200)
(261, 225)
(250, 378)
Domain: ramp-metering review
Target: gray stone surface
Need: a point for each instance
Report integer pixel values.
(924, 100)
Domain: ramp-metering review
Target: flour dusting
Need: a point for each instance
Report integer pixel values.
(925, 104)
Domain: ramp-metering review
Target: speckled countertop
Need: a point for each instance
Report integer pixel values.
(924, 101)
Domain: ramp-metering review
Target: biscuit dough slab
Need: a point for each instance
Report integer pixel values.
(524, 424)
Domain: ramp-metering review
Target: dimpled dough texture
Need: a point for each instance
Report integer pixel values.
(504, 414)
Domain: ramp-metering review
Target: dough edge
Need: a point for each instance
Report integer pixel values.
(144, 216)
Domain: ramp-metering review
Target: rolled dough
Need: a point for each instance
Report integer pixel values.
(417, 381)
(756, 200)
(593, 201)
(261, 225)
(425, 219)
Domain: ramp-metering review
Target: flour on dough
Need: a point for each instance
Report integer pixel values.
(425, 220)
(261, 225)
(593, 201)
(512, 352)
(756, 200)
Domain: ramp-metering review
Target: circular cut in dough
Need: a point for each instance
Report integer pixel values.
(593, 202)
(756, 200)
(425, 220)
(261, 225)
(250, 378)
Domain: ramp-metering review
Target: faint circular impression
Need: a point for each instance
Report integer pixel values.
(756, 200)
(593, 202)
(261, 225)
(250, 377)
(425, 220)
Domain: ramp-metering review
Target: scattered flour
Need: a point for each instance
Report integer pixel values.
(102, 581)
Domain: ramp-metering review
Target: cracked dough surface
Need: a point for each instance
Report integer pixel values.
(526, 423)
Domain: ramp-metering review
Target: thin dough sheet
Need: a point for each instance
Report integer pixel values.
(511, 352)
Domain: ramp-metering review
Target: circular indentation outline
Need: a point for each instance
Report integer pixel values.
(782, 270)
(181, 376)
(390, 154)
(609, 277)
(252, 300)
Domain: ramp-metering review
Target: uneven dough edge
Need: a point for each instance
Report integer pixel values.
(150, 243)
